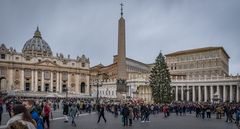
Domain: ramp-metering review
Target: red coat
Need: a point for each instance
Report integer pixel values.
(165, 109)
(46, 110)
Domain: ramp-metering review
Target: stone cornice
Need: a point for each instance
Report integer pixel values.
(38, 66)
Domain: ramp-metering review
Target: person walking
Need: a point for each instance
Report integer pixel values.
(176, 109)
(125, 113)
(65, 111)
(208, 111)
(9, 108)
(46, 114)
(147, 114)
(219, 112)
(165, 110)
(130, 116)
(143, 115)
(115, 110)
(203, 111)
(73, 112)
(229, 112)
(101, 114)
(135, 112)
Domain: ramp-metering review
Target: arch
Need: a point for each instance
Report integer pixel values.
(82, 87)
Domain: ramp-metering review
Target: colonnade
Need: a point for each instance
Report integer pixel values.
(206, 93)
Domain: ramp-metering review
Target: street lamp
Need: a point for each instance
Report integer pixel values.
(98, 84)
(98, 90)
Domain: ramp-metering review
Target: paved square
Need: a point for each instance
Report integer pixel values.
(89, 121)
(157, 122)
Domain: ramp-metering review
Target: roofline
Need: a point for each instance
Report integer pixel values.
(196, 50)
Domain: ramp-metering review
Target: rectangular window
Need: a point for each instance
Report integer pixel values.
(39, 88)
(54, 89)
(2, 56)
(27, 86)
(83, 64)
(47, 75)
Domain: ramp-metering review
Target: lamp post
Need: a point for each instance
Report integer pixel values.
(97, 94)
(98, 85)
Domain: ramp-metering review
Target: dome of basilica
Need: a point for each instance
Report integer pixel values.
(36, 46)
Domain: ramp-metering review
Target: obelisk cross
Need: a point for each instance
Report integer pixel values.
(121, 9)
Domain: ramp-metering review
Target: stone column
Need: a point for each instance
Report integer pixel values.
(176, 94)
(218, 91)
(231, 93)
(51, 81)
(205, 94)
(57, 81)
(36, 81)
(77, 88)
(32, 81)
(42, 86)
(60, 82)
(182, 93)
(211, 95)
(188, 93)
(22, 80)
(199, 94)
(194, 95)
(87, 85)
(10, 80)
(68, 83)
(224, 93)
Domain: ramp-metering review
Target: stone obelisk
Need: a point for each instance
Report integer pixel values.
(121, 58)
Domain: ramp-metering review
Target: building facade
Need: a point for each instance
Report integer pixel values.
(202, 75)
(36, 72)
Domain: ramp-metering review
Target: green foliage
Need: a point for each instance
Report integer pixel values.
(160, 81)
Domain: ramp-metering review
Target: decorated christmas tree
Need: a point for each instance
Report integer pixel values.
(160, 81)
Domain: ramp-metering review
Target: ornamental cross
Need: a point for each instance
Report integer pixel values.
(121, 9)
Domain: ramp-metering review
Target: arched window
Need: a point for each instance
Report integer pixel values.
(82, 87)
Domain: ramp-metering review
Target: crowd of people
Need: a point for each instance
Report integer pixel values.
(35, 113)
(139, 111)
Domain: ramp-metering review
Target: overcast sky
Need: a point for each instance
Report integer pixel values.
(89, 27)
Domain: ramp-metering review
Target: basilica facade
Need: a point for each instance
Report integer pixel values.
(37, 72)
